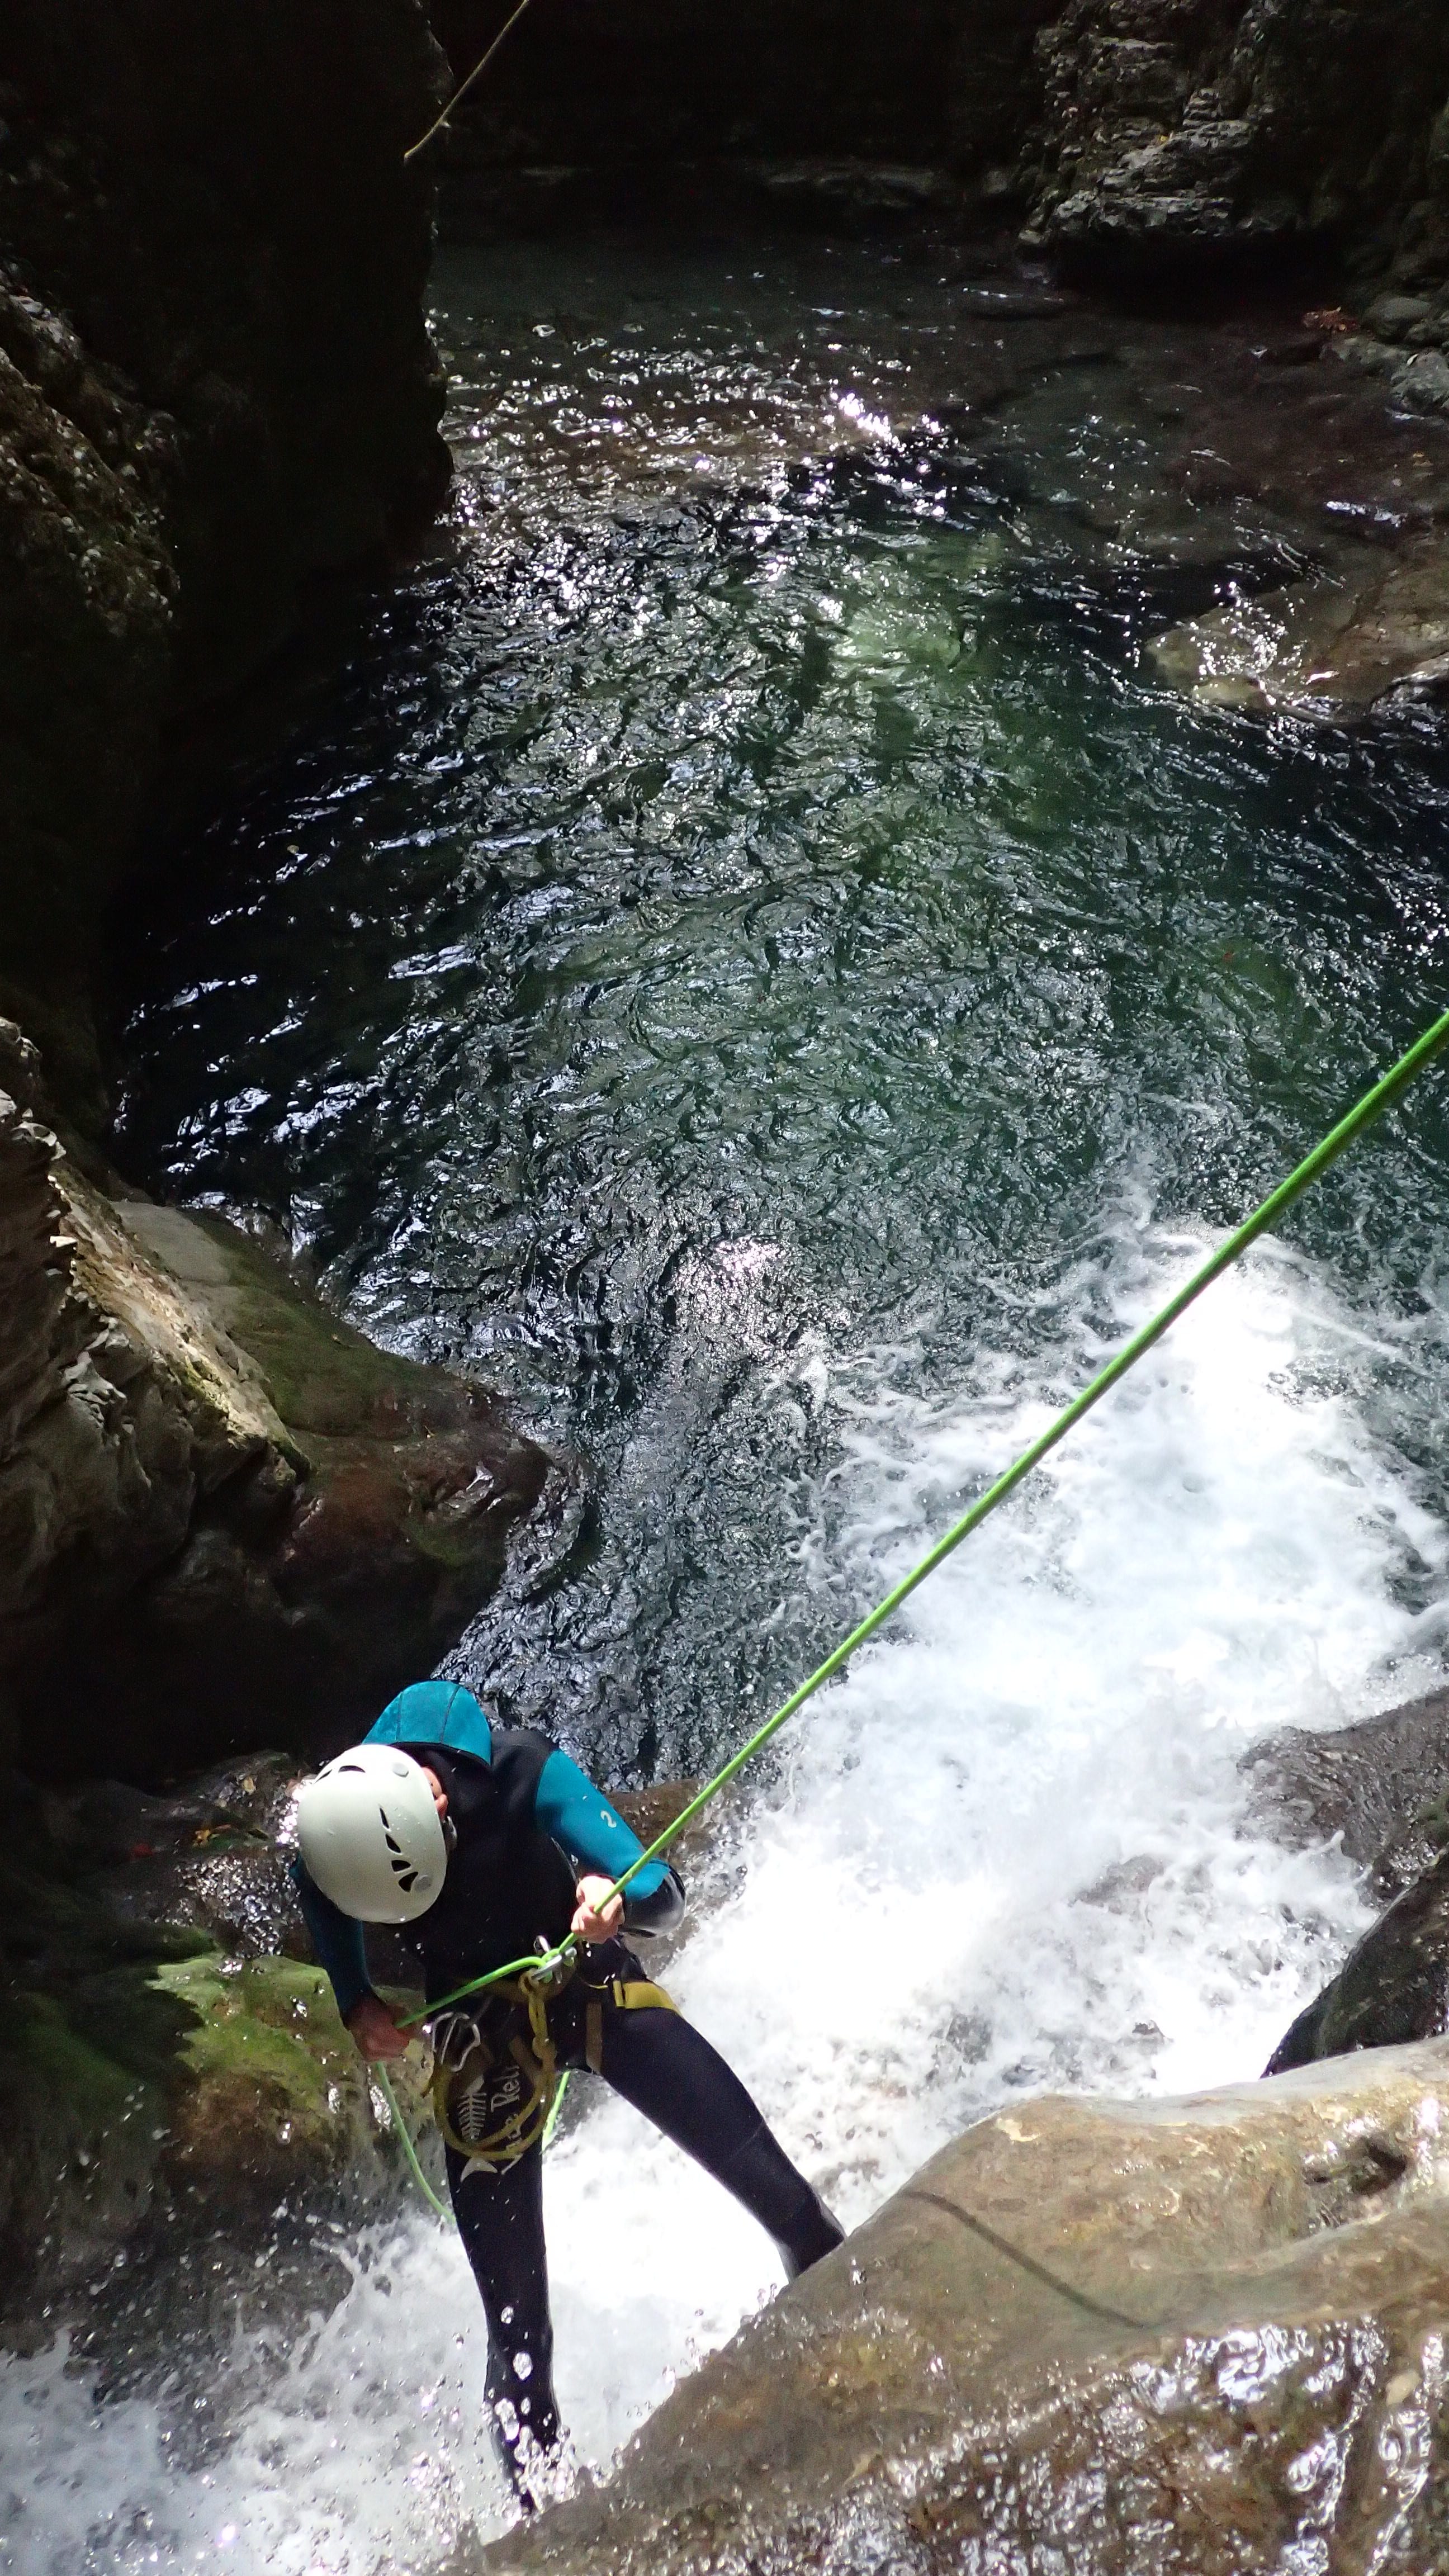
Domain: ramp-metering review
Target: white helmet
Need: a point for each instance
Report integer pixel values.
(370, 1835)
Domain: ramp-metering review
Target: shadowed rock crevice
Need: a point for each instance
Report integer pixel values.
(223, 1512)
(216, 388)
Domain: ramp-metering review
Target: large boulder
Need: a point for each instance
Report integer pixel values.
(1120, 2338)
(1378, 1785)
(1369, 628)
(222, 1509)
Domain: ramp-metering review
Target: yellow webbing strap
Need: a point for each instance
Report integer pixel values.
(637, 1995)
(630, 1994)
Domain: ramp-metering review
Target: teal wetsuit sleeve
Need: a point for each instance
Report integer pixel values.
(567, 1805)
(336, 1938)
(579, 1817)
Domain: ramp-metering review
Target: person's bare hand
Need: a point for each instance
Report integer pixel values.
(588, 1923)
(440, 1794)
(374, 2027)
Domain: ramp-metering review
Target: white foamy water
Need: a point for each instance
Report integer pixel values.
(1010, 1852)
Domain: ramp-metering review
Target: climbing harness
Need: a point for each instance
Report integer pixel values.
(498, 2090)
(1372, 1106)
(464, 86)
(630, 1994)
(493, 2090)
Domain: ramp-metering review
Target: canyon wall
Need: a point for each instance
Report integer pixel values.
(216, 389)
(218, 398)
(223, 1514)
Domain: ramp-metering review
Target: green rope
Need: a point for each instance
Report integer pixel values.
(1372, 1106)
(409, 2150)
(554, 2108)
(461, 92)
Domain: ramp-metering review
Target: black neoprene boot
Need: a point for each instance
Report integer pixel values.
(816, 2234)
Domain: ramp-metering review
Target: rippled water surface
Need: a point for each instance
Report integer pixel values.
(751, 961)
(750, 905)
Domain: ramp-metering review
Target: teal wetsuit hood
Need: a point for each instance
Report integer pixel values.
(435, 1713)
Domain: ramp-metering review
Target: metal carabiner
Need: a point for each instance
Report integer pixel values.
(453, 2036)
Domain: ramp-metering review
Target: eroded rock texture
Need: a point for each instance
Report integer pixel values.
(1124, 2338)
(223, 1512)
(215, 386)
(1139, 135)
(1381, 1786)
(1204, 125)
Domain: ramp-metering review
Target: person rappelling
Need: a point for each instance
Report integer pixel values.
(496, 1845)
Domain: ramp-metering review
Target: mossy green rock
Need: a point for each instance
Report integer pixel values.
(269, 2098)
(151, 2086)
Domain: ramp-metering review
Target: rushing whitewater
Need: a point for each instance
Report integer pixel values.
(1007, 1852)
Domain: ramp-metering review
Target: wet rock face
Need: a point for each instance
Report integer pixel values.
(1379, 1783)
(87, 592)
(1123, 2338)
(164, 2079)
(1382, 1786)
(172, 2068)
(215, 386)
(223, 1511)
(1393, 1986)
(1210, 126)
(1374, 629)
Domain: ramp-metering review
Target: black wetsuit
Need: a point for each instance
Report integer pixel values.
(508, 1883)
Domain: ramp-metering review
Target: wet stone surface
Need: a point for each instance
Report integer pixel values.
(1205, 2333)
